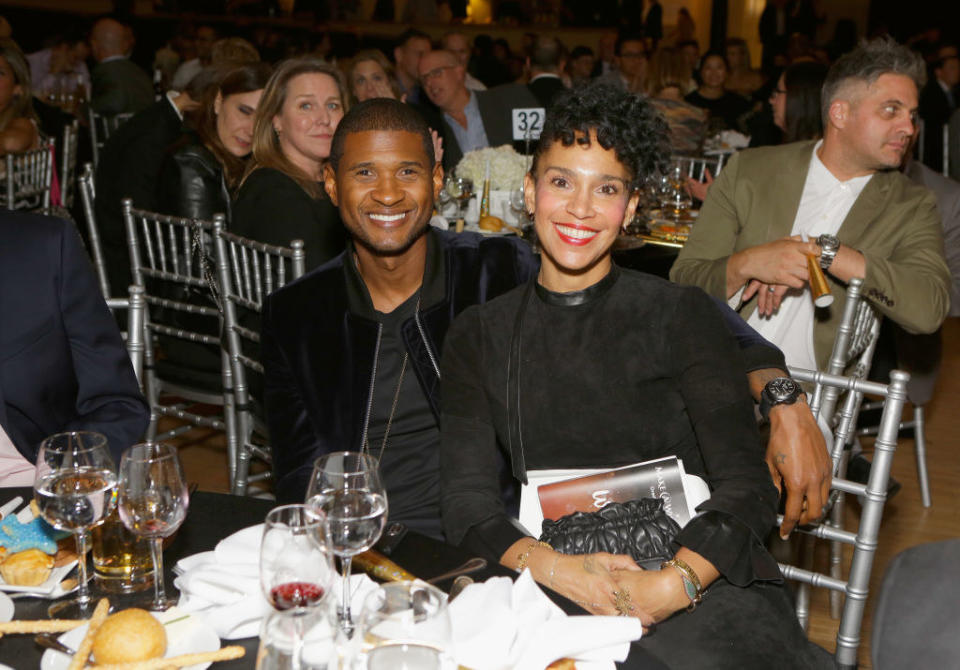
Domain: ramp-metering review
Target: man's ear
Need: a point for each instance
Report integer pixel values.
(330, 183)
(839, 113)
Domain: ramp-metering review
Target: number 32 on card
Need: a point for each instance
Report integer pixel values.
(527, 123)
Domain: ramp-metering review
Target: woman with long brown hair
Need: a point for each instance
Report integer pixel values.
(205, 167)
(281, 197)
(18, 125)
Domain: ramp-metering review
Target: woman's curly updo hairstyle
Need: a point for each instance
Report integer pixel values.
(621, 121)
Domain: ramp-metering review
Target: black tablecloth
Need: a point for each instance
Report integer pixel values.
(214, 516)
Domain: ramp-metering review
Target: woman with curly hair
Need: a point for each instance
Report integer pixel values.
(592, 366)
(18, 125)
(281, 197)
(204, 168)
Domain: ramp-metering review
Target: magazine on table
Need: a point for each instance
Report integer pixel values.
(552, 494)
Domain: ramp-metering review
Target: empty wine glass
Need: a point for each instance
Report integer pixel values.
(405, 625)
(346, 486)
(518, 206)
(74, 485)
(152, 500)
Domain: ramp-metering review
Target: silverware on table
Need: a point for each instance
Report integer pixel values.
(473, 565)
(49, 641)
(459, 584)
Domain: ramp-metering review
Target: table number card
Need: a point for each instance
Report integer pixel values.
(528, 123)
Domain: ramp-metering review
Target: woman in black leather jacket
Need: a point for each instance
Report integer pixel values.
(200, 173)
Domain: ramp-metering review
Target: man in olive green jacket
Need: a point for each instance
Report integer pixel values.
(746, 246)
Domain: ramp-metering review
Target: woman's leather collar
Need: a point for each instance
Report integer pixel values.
(575, 298)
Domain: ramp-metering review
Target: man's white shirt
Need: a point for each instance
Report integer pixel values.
(824, 205)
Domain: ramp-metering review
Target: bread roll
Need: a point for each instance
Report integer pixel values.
(491, 223)
(26, 568)
(129, 636)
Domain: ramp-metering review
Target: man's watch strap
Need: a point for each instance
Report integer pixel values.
(778, 391)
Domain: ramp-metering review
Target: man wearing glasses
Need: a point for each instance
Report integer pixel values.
(467, 120)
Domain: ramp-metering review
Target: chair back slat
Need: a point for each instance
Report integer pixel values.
(102, 126)
(29, 178)
(249, 271)
(68, 163)
(695, 167)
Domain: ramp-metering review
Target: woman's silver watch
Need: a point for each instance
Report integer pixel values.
(829, 246)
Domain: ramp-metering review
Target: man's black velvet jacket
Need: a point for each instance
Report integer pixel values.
(318, 354)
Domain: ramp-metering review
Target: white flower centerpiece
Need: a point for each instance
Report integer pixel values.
(507, 169)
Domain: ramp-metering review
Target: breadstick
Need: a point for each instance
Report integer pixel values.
(182, 661)
(83, 651)
(40, 626)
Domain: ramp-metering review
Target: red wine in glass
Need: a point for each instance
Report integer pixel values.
(295, 594)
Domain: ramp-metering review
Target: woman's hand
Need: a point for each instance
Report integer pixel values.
(586, 579)
(654, 595)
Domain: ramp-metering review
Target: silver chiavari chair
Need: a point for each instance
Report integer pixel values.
(87, 197)
(169, 260)
(101, 127)
(248, 272)
(696, 167)
(874, 493)
(853, 349)
(68, 163)
(29, 178)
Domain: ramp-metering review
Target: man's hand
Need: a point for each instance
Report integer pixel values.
(798, 459)
(699, 189)
(782, 262)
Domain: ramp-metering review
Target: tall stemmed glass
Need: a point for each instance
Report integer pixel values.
(346, 486)
(73, 486)
(461, 190)
(296, 570)
(153, 500)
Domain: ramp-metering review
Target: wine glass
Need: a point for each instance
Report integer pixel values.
(296, 564)
(296, 569)
(298, 640)
(518, 206)
(405, 625)
(461, 190)
(674, 198)
(346, 486)
(74, 489)
(153, 500)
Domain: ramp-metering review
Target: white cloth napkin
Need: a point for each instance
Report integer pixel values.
(223, 586)
(500, 624)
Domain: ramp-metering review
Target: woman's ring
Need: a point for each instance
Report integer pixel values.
(621, 600)
(772, 289)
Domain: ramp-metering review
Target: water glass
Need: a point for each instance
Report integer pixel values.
(405, 626)
(73, 486)
(304, 640)
(346, 487)
(153, 500)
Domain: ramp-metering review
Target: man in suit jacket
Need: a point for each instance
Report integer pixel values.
(119, 85)
(872, 222)
(128, 168)
(546, 62)
(63, 365)
(468, 120)
(937, 104)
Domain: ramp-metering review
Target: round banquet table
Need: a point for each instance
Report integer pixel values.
(214, 516)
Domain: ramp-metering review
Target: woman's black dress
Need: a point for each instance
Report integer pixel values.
(631, 369)
(272, 208)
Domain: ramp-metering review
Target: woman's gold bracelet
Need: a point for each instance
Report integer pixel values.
(691, 582)
(522, 557)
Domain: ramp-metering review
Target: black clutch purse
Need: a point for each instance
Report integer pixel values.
(639, 528)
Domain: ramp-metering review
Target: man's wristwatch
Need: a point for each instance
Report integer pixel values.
(779, 391)
(829, 246)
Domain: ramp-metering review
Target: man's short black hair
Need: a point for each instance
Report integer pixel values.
(409, 34)
(381, 114)
(624, 122)
(580, 50)
(628, 36)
